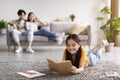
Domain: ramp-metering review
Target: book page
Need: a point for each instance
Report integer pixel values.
(63, 67)
(53, 63)
(60, 67)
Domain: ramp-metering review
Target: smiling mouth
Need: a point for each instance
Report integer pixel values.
(72, 51)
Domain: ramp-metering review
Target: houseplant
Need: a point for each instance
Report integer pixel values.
(72, 17)
(3, 25)
(116, 24)
(109, 28)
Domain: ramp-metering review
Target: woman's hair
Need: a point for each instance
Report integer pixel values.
(78, 54)
(28, 18)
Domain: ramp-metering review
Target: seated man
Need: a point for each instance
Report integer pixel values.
(19, 29)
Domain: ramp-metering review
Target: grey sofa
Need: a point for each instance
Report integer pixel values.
(44, 41)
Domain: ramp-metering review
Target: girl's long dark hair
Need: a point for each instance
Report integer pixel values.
(78, 54)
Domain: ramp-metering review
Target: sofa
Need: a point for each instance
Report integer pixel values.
(55, 27)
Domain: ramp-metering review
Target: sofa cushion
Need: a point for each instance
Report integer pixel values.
(40, 38)
(82, 37)
(36, 38)
(77, 29)
(61, 26)
(22, 38)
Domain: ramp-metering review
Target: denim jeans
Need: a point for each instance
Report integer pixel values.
(94, 57)
(16, 34)
(43, 32)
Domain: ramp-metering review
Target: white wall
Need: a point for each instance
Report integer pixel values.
(85, 10)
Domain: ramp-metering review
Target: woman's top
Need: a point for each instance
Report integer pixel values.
(83, 58)
(32, 26)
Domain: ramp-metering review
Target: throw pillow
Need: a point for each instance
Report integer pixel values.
(77, 29)
(58, 20)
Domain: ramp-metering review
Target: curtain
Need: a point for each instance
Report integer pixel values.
(114, 8)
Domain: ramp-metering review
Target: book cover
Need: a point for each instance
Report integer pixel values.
(61, 67)
(31, 74)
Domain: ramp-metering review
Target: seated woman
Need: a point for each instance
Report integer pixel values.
(78, 56)
(32, 24)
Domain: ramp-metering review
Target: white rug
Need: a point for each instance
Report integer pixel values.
(8, 71)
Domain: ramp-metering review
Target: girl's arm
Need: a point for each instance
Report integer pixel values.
(82, 63)
(81, 68)
(73, 69)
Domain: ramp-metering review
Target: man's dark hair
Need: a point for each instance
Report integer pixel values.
(20, 11)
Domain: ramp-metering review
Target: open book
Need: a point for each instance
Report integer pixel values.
(31, 74)
(60, 67)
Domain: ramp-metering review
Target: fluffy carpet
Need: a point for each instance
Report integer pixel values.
(8, 71)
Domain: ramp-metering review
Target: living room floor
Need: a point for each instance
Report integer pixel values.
(50, 52)
(43, 52)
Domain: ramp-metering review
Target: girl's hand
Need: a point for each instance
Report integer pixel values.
(73, 69)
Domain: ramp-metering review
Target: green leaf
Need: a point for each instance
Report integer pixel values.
(3, 24)
(106, 10)
(99, 18)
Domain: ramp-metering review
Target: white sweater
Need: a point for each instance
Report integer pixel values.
(32, 26)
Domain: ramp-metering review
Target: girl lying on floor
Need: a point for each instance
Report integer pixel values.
(78, 56)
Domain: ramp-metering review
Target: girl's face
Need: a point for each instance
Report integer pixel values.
(72, 46)
(32, 17)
